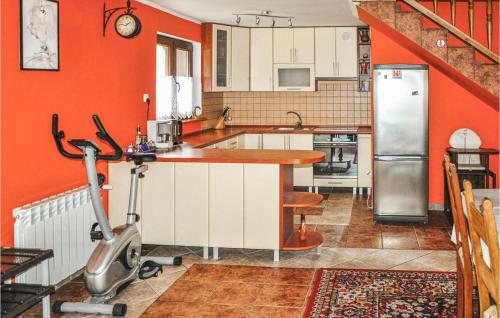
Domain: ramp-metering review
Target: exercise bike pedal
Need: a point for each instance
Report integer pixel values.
(95, 235)
(150, 269)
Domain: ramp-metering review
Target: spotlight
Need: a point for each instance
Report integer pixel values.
(238, 19)
(290, 22)
(273, 23)
(257, 20)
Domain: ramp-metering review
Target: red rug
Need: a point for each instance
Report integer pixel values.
(381, 294)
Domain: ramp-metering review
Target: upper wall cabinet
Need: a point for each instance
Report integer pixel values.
(293, 45)
(336, 52)
(261, 59)
(216, 55)
(240, 59)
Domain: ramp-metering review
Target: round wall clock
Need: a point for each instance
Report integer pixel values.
(127, 25)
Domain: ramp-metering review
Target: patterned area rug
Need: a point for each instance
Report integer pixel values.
(381, 294)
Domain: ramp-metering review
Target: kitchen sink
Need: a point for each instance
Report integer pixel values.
(291, 128)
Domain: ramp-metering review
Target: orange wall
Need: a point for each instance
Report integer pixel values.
(103, 75)
(450, 107)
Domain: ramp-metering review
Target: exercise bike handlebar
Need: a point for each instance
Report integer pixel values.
(101, 133)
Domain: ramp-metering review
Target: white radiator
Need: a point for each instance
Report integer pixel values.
(61, 223)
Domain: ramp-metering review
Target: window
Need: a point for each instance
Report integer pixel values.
(174, 78)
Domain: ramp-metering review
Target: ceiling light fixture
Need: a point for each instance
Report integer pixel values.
(274, 22)
(290, 22)
(265, 15)
(238, 19)
(257, 20)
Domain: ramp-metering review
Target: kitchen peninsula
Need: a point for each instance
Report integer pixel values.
(233, 198)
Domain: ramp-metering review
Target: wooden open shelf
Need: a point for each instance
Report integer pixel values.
(313, 239)
(294, 199)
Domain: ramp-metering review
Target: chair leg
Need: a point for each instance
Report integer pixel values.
(460, 289)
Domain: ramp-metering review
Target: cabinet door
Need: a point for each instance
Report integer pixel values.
(364, 161)
(119, 179)
(225, 205)
(240, 59)
(191, 204)
(274, 141)
(232, 143)
(253, 141)
(283, 45)
(302, 174)
(303, 45)
(158, 204)
(221, 48)
(347, 55)
(261, 59)
(324, 52)
(261, 206)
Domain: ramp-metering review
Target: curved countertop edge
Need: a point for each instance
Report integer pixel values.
(284, 157)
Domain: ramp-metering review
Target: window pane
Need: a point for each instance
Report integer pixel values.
(182, 62)
(185, 95)
(162, 57)
(164, 82)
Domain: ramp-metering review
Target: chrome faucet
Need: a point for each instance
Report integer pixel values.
(298, 124)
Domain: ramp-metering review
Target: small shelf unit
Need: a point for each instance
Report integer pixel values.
(294, 199)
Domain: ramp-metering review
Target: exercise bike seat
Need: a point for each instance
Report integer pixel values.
(140, 157)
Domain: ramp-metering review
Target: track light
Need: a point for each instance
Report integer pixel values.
(257, 20)
(238, 19)
(273, 23)
(290, 22)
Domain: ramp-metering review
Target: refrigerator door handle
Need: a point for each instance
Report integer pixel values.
(400, 158)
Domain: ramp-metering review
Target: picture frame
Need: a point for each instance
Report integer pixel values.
(39, 35)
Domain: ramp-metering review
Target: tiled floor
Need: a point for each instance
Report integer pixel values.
(346, 221)
(352, 240)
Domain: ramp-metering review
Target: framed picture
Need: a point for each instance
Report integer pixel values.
(39, 35)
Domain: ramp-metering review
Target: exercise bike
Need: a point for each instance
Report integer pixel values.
(116, 260)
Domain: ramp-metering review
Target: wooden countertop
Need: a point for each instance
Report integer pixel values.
(211, 136)
(285, 157)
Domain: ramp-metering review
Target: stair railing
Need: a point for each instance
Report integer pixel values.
(469, 39)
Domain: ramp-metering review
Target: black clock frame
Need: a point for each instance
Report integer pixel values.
(107, 14)
(137, 23)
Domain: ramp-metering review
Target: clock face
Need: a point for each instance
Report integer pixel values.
(126, 25)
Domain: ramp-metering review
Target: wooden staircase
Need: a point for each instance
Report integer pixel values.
(457, 61)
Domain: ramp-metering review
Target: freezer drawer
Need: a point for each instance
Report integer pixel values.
(401, 189)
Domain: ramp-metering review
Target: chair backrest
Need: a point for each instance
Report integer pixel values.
(484, 233)
(457, 211)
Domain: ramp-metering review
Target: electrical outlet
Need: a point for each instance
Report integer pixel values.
(145, 98)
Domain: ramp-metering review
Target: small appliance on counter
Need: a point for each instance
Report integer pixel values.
(165, 133)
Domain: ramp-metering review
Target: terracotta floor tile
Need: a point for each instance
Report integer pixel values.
(435, 244)
(291, 276)
(399, 242)
(362, 241)
(166, 309)
(189, 291)
(218, 311)
(267, 312)
(437, 233)
(251, 274)
(205, 273)
(282, 295)
(231, 293)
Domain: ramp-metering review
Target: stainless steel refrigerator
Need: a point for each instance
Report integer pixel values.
(401, 146)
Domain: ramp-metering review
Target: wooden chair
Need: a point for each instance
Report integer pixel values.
(465, 277)
(483, 229)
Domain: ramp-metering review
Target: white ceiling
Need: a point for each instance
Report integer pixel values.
(306, 12)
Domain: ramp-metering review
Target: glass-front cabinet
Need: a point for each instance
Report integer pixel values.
(221, 55)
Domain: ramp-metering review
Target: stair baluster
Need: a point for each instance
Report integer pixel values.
(471, 18)
(435, 6)
(453, 11)
(489, 19)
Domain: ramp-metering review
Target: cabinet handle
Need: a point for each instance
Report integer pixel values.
(293, 89)
(294, 55)
(291, 56)
(331, 182)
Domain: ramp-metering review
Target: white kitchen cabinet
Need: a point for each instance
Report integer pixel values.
(283, 45)
(191, 204)
(225, 205)
(253, 141)
(303, 45)
(293, 45)
(158, 204)
(274, 141)
(325, 60)
(364, 161)
(241, 141)
(261, 59)
(346, 51)
(221, 58)
(232, 143)
(261, 206)
(240, 59)
(119, 180)
(302, 174)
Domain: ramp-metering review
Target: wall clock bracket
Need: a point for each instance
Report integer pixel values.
(107, 14)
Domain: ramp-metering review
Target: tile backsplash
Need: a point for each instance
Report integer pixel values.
(212, 108)
(335, 103)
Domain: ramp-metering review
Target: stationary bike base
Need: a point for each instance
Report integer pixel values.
(118, 310)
